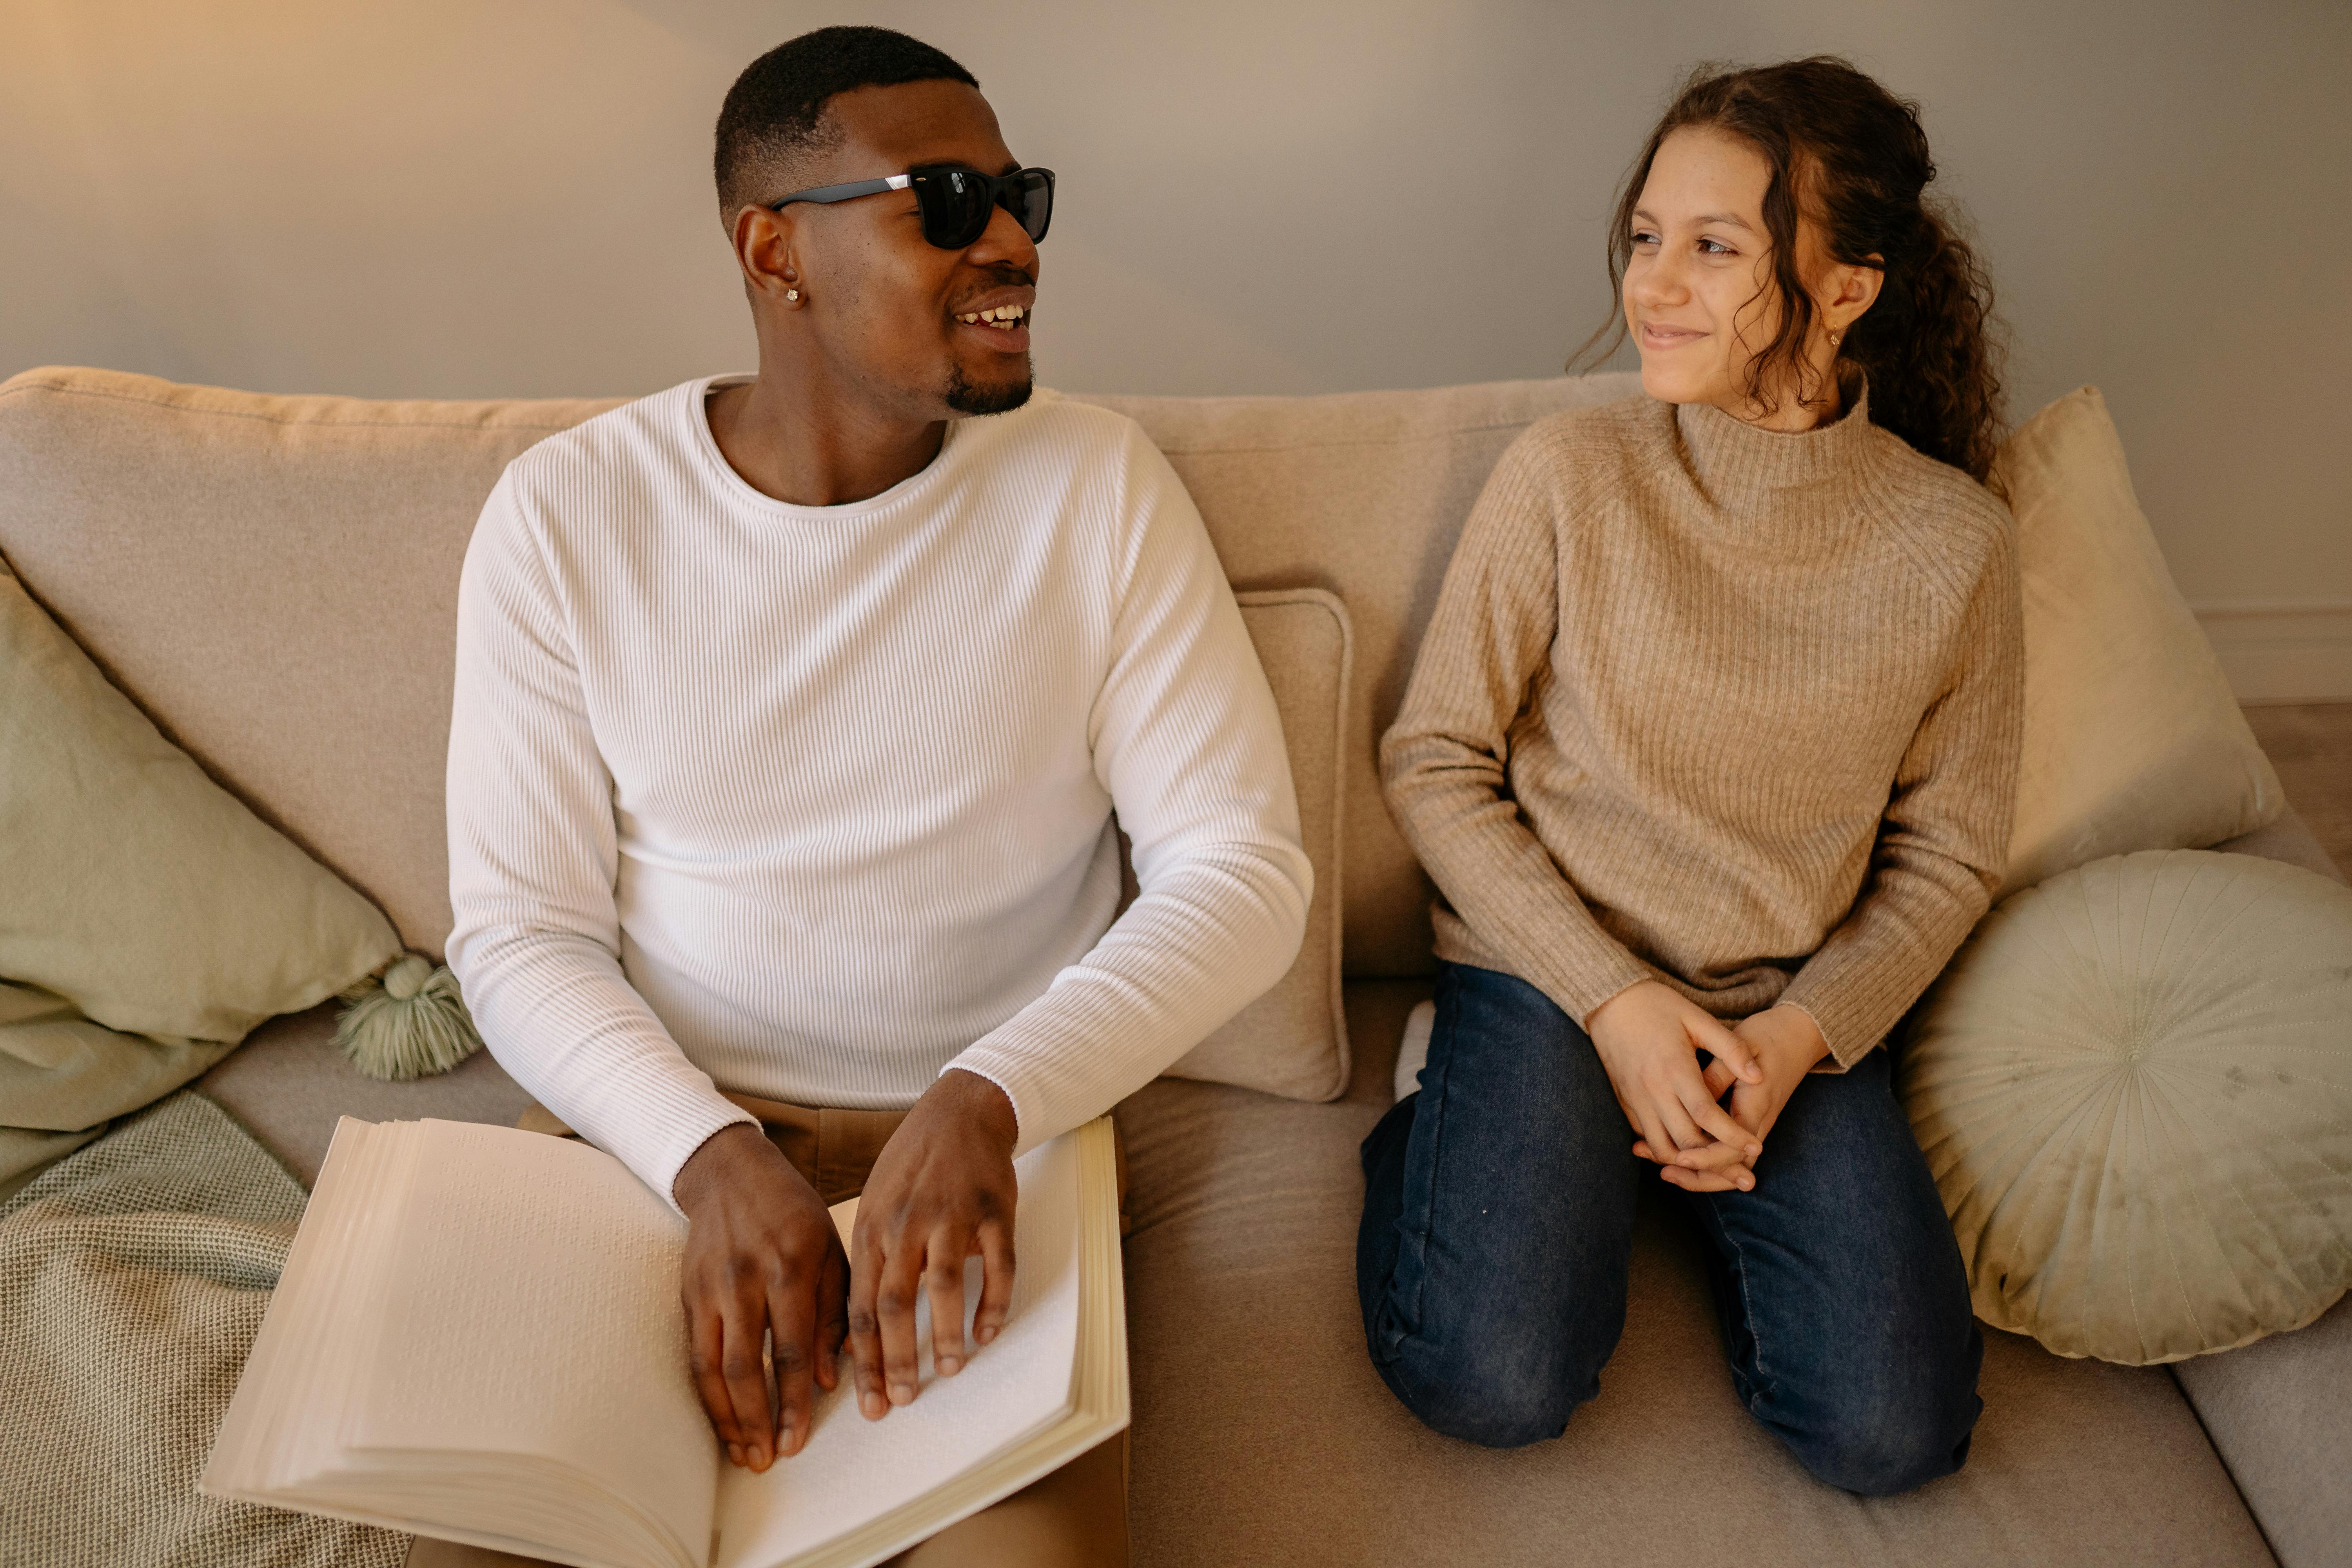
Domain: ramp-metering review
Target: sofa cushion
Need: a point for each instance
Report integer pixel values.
(275, 581)
(1262, 1434)
(1364, 494)
(2133, 740)
(1293, 1040)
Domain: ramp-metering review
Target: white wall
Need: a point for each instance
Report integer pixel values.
(511, 196)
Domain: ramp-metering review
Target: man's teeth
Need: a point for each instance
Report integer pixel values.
(1003, 317)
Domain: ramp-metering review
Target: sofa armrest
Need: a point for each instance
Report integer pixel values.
(2280, 1414)
(2289, 838)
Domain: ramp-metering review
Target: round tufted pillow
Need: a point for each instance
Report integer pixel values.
(2134, 1085)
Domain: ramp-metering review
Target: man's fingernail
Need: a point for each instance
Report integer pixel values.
(873, 1403)
(735, 1453)
(984, 1332)
(949, 1365)
(902, 1394)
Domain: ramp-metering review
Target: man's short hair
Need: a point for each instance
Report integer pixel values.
(773, 120)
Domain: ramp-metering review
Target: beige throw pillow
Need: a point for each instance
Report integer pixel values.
(136, 889)
(2133, 740)
(1293, 1040)
(2133, 1086)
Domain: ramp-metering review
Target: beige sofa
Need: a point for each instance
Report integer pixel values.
(275, 579)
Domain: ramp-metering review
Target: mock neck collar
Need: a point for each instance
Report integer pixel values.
(1742, 464)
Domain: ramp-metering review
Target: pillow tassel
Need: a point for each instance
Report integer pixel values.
(410, 1024)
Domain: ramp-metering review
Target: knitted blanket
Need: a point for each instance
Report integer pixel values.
(133, 1274)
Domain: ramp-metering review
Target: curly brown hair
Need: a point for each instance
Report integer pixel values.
(1854, 156)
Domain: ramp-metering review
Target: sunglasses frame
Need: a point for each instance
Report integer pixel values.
(1002, 190)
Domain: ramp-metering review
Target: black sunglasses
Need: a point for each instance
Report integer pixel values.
(956, 203)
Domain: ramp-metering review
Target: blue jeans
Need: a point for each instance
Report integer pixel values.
(1498, 1229)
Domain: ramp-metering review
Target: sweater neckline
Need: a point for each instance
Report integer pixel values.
(1742, 466)
(736, 488)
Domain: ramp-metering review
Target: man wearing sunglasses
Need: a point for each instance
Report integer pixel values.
(792, 712)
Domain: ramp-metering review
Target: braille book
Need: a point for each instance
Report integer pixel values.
(478, 1337)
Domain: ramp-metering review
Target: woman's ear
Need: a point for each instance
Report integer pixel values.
(1852, 289)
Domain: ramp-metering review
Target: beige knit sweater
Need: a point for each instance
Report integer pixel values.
(1709, 704)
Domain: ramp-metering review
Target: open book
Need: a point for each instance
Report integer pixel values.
(478, 1337)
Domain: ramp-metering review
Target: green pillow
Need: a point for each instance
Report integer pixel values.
(138, 890)
(2133, 1086)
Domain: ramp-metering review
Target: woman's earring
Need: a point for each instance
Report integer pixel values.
(794, 294)
(1834, 338)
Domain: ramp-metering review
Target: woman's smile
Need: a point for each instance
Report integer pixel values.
(1661, 336)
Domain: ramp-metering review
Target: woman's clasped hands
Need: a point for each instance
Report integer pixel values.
(1650, 1036)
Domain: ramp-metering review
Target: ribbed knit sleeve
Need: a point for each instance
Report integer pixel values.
(533, 862)
(1945, 837)
(1445, 761)
(1187, 743)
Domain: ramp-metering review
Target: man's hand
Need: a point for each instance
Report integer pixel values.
(761, 1258)
(1786, 1043)
(943, 1191)
(1649, 1036)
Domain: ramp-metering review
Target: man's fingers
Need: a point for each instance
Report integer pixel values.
(792, 1333)
(943, 1283)
(831, 1316)
(1728, 1047)
(866, 1332)
(996, 1279)
(742, 1362)
(707, 1341)
(894, 1305)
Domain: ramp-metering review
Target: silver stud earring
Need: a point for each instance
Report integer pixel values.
(794, 294)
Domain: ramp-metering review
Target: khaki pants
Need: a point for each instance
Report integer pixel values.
(1075, 1518)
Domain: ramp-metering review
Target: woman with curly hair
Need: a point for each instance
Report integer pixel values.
(1711, 749)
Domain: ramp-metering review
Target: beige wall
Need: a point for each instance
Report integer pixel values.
(433, 197)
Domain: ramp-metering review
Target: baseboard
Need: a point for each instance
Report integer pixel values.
(2283, 652)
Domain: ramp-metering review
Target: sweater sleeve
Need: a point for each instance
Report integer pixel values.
(533, 862)
(1187, 743)
(1444, 763)
(1943, 839)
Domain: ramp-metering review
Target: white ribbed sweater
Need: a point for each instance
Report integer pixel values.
(815, 802)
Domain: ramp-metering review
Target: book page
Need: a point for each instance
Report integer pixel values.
(529, 1309)
(854, 1469)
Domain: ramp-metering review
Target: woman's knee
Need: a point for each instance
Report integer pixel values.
(1495, 1365)
(1862, 1436)
(1491, 1396)
(1883, 1459)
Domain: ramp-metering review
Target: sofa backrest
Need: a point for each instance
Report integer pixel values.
(274, 580)
(1361, 494)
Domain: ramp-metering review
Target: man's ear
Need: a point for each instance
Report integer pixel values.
(764, 250)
